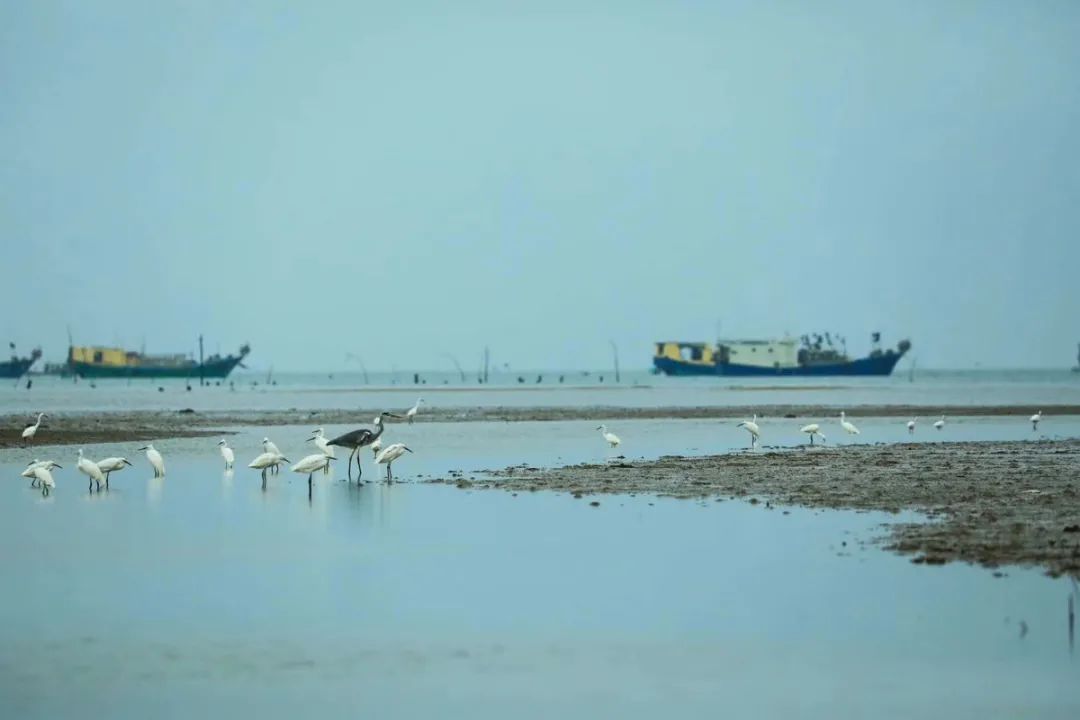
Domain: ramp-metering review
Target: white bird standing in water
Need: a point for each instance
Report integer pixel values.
(752, 428)
(319, 438)
(30, 431)
(813, 429)
(411, 412)
(91, 470)
(227, 454)
(389, 455)
(849, 428)
(265, 461)
(376, 446)
(940, 423)
(911, 425)
(611, 438)
(269, 447)
(155, 459)
(310, 465)
(45, 478)
(111, 465)
(1035, 421)
(29, 471)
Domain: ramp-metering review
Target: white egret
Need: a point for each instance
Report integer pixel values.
(849, 428)
(110, 465)
(31, 467)
(1035, 421)
(310, 465)
(813, 429)
(30, 431)
(266, 461)
(389, 455)
(45, 478)
(376, 446)
(911, 425)
(227, 454)
(91, 470)
(940, 423)
(270, 447)
(319, 438)
(410, 414)
(752, 428)
(611, 438)
(155, 459)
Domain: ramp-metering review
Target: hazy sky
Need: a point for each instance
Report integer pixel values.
(404, 180)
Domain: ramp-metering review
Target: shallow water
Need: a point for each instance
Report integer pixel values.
(1027, 389)
(200, 592)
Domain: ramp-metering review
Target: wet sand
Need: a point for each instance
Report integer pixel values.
(75, 428)
(990, 503)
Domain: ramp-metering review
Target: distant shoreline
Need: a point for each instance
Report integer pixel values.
(126, 425)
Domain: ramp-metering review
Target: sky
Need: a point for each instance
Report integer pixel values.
(408, 181)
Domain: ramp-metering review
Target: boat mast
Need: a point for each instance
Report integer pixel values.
(202, 366)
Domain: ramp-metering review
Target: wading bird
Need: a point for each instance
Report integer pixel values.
(813, 429)
(30, 430)
(90, 469)
(389, 455)
(111, 465)
(45, 478)
(356, 439)
(752, 428)
(29, 471)
(849, 428)
(319, 438)
(911, 425)
(376, 446)
(266, 461)
(940, 423)
(227, 454)
(270, 447)
(310, 465)
(1035, 421)
(155, 459)
(411, 412)
(611, 438)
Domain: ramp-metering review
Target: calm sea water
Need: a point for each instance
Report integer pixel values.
(1022, 388)
(202, 594)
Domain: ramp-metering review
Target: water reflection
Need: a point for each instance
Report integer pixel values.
(155, 488)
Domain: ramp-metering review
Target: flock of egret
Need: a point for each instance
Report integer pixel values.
(270, 460)
(814, 429)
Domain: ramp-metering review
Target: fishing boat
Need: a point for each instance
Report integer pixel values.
(17, 366)
(810, 355)
(112, 362)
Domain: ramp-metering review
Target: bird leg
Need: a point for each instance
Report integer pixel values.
(351, 453)
(107, 480)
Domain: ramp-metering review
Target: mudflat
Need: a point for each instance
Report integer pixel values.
(990, 503)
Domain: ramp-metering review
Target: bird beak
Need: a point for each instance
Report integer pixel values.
(406, 448)
(59, 466)
(599, 426)
(285, 459)
(330, 458)
(141, 449)
(127, 463)
(311, 438)
(388, 414)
